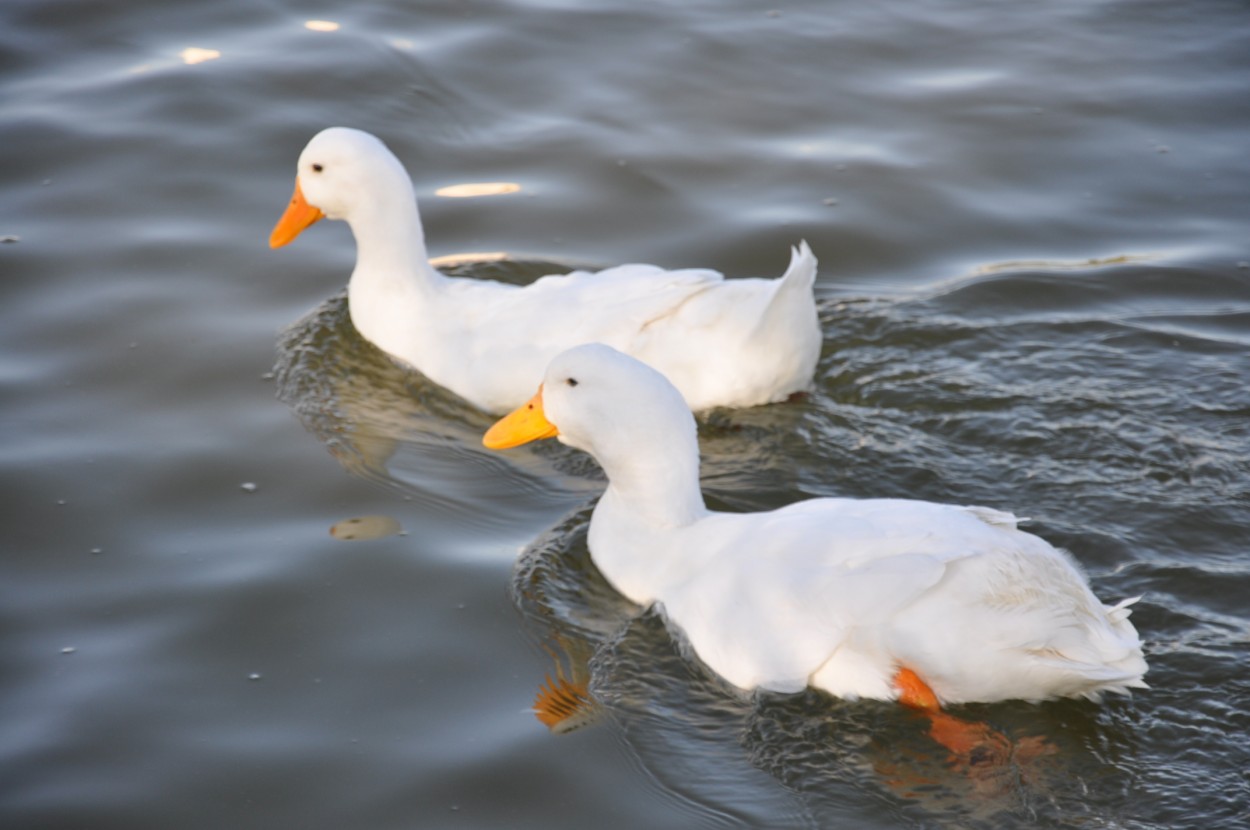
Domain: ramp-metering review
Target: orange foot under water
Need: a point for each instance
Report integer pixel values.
(973, 744)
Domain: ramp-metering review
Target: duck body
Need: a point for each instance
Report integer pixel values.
(739, 342)
(840, 594)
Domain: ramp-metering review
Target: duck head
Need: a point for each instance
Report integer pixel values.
(340, 173)
(606, 403)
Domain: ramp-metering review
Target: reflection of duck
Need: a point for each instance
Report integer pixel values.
(923, 603)
(722, 342)
(564, 702)
(361, 405)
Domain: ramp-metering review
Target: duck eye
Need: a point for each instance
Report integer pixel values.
(317, 168)
(571, 381)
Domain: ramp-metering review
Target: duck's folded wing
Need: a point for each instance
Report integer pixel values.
(608, 306)
(774, 612)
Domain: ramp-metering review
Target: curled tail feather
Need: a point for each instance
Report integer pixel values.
(792, 301)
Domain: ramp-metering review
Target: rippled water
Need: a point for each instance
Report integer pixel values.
(1035, 293)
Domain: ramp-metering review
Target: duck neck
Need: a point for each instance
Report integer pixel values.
(390, 242)
(644, 509)
(393, 284)
(659, 487)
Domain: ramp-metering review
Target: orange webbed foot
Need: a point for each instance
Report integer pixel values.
(972, 742)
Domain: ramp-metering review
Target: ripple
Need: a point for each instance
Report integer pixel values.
(1092, 376)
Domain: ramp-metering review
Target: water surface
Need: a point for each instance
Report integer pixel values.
(1035, 294)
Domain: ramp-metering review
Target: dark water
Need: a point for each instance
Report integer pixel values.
(1033, 226)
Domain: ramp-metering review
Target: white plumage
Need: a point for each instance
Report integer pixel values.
(841, 594)
(737, 342)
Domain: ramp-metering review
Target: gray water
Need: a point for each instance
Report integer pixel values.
(1032, 221)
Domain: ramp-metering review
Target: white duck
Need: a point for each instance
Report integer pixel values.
(723, 342)
(890, 599)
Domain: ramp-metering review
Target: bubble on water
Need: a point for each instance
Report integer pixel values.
(97, 551)
(248, 487)
(254, 676)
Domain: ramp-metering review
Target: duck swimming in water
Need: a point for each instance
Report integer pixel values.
(731, 343)
(892, 599)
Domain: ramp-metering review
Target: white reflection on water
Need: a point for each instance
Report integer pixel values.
(454, 260)
(195, 54)
(956, 79)
(472, 189)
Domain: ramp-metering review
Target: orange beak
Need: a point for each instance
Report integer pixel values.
(524, 424)
(299, 215)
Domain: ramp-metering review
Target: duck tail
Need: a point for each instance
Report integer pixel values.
(1120, 611)
(801, 274)
(792, 302)
(1123, 666)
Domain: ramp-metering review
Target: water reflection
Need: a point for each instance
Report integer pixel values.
(194, 54)
(564, 703)
(387, 423)
(1059, 265)
(474, 189)
(360, 528)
